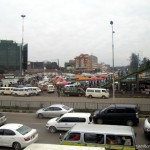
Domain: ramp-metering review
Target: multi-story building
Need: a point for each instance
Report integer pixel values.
(86, 62)
(10, 56)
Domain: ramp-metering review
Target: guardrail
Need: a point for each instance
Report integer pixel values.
(29, 105)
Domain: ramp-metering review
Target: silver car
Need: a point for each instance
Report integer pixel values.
(55, 110)
(2, 119)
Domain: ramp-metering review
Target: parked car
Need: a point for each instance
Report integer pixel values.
(6, 90)
(34, 90)
(2, 119)
(55, 110)
(119, 114)
(17, 136)
(50, 88)
(73, 91)
(67, 121)
(147, 126)
(24, 91)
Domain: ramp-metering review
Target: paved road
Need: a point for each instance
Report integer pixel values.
(46, 137)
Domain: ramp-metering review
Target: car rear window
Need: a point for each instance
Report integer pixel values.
(24, 129)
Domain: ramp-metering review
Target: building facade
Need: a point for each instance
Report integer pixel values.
(10, 56)
(86, 62)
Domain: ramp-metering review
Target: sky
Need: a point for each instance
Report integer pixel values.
(63, 29)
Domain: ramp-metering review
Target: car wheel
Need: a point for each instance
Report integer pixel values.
(103, 97)
(68, 95)
(100, 121)
(40, 116)
(52, 129)
(129, 123)
(80, 95)
(16, 146)
(90, 96)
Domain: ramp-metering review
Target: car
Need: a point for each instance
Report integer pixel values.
(127, 114)
(147, 126)
(67, 121)
(55, 110)
(2, 119)
(73, 91)
(17, 136)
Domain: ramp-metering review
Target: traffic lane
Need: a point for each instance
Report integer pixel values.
(46, 137)
(32, 121)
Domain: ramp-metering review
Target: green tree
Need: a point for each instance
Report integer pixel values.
(134, 62)
(145, 63)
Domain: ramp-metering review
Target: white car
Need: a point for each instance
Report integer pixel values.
(147, 126)
(17, 136)
(67, 121)
(55, 110)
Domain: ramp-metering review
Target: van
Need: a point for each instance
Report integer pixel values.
(127, 114)
(21, 91)
(50, 88)
(97, 92)
(37, 146)
(73, 91)
(111, 137)
(67, 121)
(34, 90)
(6, 90)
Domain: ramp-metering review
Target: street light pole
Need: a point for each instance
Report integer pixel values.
(21, 51)
(111, 22)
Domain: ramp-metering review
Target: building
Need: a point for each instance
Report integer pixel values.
(86, 62)
(10, 56)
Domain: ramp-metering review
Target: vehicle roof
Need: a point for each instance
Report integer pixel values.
(96, 88)
(77, 114)
(13, 126)
(37, 146)
(104, 129)
(56, 105)
(124, 105)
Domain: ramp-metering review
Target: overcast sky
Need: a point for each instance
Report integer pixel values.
(64, 29)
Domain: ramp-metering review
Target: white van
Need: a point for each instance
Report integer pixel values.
(111, 137)
(34, 90)
(37, 146)
(6, 90)
(50, 88)
(97, 92)
(21, 91)
(67, 121)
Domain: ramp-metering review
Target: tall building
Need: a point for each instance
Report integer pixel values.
(86, 62)
(10, 56)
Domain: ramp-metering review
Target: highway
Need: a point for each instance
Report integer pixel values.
(46, 137)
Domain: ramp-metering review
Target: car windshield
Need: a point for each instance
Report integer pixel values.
(66, 107)
(1, 115)
(24, 130)
(148, 119)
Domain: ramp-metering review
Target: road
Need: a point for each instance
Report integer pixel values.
(46, 137)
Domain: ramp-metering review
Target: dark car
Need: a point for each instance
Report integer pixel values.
(74, 91)
(127, 114)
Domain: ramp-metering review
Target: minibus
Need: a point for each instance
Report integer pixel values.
(38, 146)
(6, 90)
(97, 92)
(24, 91)
(111, 137)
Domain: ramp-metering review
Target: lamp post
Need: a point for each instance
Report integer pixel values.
(111, 22)
(21, 51)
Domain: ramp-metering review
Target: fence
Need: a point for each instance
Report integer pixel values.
(76, 105)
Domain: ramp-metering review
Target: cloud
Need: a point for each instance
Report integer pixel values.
(63, 29)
